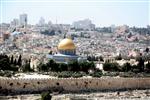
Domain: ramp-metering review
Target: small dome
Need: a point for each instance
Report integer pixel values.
(66, 44)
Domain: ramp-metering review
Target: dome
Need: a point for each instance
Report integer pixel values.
(66, 44)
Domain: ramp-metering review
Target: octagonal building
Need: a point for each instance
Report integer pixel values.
(66, 52)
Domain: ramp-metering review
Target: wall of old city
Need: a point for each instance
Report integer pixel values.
(74, 84)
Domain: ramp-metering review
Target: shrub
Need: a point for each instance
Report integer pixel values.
(53, 74)
(46, 96)
(111, 66)
(97, 74)
(111, 74)
(135, 69)
(77, 75)
(1, 73)
(127, 74)
(6, 73)
(65, 74)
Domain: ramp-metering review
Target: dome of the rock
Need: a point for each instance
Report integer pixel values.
(66, 44)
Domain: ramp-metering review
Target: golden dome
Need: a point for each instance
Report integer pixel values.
(66, 44)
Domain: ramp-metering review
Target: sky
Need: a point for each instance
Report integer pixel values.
(101, 12)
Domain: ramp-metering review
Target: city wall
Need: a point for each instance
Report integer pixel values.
(74, 84)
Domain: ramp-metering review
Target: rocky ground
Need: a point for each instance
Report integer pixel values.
(127, 95)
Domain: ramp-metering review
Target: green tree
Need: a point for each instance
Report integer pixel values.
(19, 62)
(42, 67)
(63, 67)
(85, 66)
(4, 64)
(15, 62)
(119, 57)
(101, 58)
(53, 66)
(147, 50)
(126, 67)
(73, 66)
(7, 64)
(140, 64)
(91, 65)
(26, 67)
(147, 67)
(111, 66)
(50, 52)
(12, 59)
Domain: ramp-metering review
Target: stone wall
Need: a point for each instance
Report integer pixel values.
(74, 84)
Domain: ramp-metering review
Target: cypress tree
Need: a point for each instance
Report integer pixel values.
(141, 64)
(15, 62)
(12, 59)
(19, 61)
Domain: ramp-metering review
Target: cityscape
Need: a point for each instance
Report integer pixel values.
(19, 37)
(58, 60)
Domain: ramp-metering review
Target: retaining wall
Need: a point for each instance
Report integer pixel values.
(74, 84)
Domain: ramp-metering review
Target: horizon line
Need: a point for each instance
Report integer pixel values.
(97, 26)
(75, 1)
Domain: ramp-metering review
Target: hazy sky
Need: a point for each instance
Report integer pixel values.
(101, 12)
